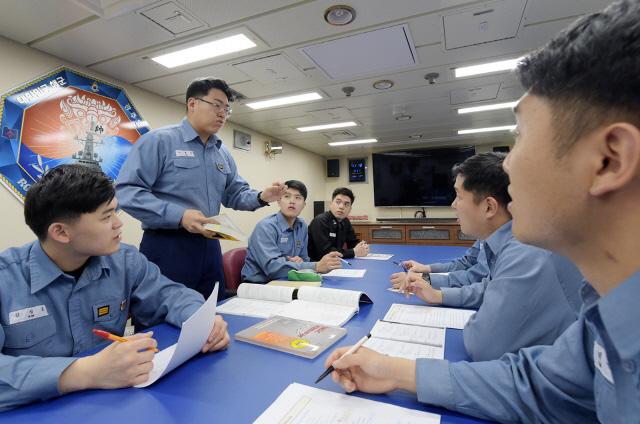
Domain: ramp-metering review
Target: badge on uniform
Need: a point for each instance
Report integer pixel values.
(332, 234)
(284, 239)
(185, 153)
(103, 310)
(220, 166)
(27, 314)
(298, 244)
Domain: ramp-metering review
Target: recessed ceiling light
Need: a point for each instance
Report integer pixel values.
(485, 68)
(403, 117)
(328, 126)
(383, 84)
(495, 106)
(286, 100)
(339, 15)
(234, 43)
(489, 129)
(345, 143)
(415, 136)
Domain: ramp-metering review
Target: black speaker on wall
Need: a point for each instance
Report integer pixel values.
(333, 167)
(502, 149)
(318, 207)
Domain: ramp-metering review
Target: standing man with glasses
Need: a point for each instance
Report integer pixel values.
(176, 177)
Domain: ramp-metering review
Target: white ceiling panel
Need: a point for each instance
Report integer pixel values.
(177, 84)
(28, 20)
(546, 10)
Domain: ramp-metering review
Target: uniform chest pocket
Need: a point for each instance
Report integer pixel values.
(186, 163)
(27, 334)
(106, 310)
(222, 167)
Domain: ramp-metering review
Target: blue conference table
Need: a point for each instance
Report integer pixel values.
(238, 384)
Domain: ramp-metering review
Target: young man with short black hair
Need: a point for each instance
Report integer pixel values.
(530, 295)
(76, 277)
(575, 188)
(331, 231)
(278, 243)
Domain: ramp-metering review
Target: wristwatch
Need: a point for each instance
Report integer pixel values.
(426, 277)
(262, 202)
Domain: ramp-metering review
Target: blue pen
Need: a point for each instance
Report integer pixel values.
(348, 263)
(401, 265)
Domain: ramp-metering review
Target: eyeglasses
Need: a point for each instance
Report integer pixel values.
(217, 106)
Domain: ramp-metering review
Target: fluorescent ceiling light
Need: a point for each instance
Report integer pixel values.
(287, 100)
(328, 126)
(495, 106)
(490, 129)
(485, 68)
(234, 43)
(344, 143)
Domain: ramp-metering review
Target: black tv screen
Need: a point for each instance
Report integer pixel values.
(416, 177)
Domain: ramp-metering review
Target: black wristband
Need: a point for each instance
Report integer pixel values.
(262, 202)
(426, 277)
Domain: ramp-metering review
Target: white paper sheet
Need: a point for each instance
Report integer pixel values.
(348, 273)
(409, 333)
(300, 404)
(250, 307)
(404, 349)
(328, 295)
(193, 335)
(376, 257)
(322, 313)
(429, 316)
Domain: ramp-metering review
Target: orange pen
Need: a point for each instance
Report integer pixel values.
(108, 336)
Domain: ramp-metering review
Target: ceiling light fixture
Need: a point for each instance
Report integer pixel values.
(485, 68)
(339, 15)
(232, 44)
(286, 100)
(345, 143)
(403, 117)
(489, 129)
(383, 84)
(415, 136)
(495, 106)
(328, 126)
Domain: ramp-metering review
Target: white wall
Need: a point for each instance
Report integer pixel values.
(23, 64)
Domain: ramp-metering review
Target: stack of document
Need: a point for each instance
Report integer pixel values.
(429, 316)
(407, 341)
(304, 303)
(303, 404)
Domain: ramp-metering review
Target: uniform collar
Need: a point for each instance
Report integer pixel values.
(620, 314)
(44, 271)
(283, 225)
(189, 134)
(499, 237)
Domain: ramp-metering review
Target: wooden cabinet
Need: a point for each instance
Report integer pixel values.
(427, 233)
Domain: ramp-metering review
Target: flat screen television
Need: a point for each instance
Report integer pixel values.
(416, 177)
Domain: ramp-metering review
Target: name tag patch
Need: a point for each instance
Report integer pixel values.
(284, 239)
(601, 362)
(103, 310)
(332, 234)
(28, 314)
(185, 153)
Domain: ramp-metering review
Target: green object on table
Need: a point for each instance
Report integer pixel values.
(303, 275)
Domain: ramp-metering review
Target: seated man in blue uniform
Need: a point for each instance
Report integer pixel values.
(470, 268)
(76, 277)
(530, 296)
(278, 243)
(575, 185)
(332, 231)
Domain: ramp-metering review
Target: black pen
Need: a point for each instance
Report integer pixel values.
(348, 352)
(401, 265)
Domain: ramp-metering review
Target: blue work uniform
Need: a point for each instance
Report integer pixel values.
(168, 171)
(529, 298)
(591, 373)
(270, 243)
(470, 268)
(47, 316)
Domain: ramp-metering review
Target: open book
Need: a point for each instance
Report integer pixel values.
(225, 229)
(302, 338)
(407, 341)
(304, 303)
